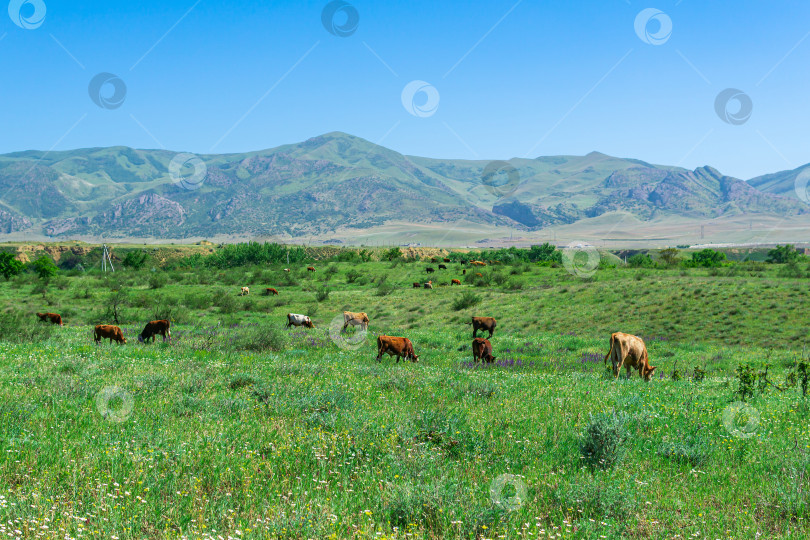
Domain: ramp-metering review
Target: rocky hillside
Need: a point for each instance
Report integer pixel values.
(338, 180)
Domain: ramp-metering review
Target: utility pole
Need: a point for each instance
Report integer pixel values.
(105, 258)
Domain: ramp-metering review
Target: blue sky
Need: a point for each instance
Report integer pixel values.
(514, 79)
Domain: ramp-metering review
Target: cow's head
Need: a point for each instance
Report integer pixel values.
(648, 372)
(308, 323)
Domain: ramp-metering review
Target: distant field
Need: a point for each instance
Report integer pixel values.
(238, 427)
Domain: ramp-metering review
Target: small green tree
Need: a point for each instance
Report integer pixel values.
(135, 259)
(44, 267)
(545, 253)
(783, 255)
(708, 258)
(393, 254)
(641, 260)
(669, 256)
(9, 266)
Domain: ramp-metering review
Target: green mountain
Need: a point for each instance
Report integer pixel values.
(338, 182)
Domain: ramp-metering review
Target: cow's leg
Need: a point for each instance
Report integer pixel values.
(475, 329)
(490, 333)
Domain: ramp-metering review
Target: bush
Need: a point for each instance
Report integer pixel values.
(466, 300)
(641, 260)
(322, 294)
(692, 450)
(157, 280)
(602, 445)
(384, 288)
(783, 255)
(352, 275)
(257, 338)
(44, 267)
(135, 259)
(708, 258)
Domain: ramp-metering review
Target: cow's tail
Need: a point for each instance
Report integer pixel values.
(611, 349)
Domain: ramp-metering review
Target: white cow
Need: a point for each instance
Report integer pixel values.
(294, 319)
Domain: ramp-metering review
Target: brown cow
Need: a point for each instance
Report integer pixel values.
(629, 351)
(270, 291)
(110, 332)
(479, 274)
(355, 319)
(478, 263)
(442, 267)
(154, 328)
(455, 282)
(434, 260)
(446, 260)
(396, 346)
(463, 261)
(484, 324)
(464, 272)
(417, 285)
(482, 350)
(429, 285)
(245, 291)
(429, 270)
(310, 268)
(53, 318)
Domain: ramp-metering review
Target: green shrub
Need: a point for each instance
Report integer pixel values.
(157, 280)
(322, 294)
(641, 260)
(466, 300)
(602, 444)
(693, 450)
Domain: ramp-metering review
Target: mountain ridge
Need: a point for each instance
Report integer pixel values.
(340, 181)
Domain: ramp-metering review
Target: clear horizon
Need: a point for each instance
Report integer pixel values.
(675, 83)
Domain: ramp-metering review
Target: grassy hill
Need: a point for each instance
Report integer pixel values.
(341, 182)
(239, 428)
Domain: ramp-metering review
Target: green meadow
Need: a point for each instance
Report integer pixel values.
(240, 428)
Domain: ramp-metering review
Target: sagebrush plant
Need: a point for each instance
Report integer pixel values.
(603, 442)
(466, 300)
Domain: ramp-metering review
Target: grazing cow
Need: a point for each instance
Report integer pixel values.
(478, 263)
(53, 318)
(396, 346)
(270, 291)
(287, 270)
(464, 272)
(430, 270)
(110, 332)
(245, 291)
(455, 282)
(629, 351)
(310, 268)
(434, 260)
(484, 324)
(482, 350)
(463, 261)
(442, 267)
(429, 285)
(153, 328)
(294, 319)
(446, 260)
(355, 319)
(417, 285)
(479, 274)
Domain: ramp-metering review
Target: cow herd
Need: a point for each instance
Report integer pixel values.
(626, 350)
